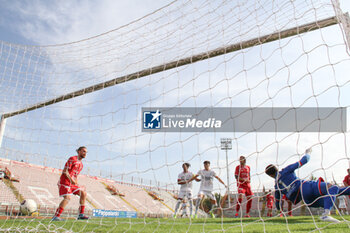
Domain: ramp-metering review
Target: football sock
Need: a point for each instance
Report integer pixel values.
(249, 205)
(82, 209)
(197, 205)
(177, 206)
(238, 206)
(59, 211)
(191, 207)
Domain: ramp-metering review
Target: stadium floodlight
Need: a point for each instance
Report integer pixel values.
(226, 144)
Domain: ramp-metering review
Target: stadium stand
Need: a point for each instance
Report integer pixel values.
(40, 184)
(100, 197)
(167, 197)
(139, 199)
(114, 191)
(7, 196)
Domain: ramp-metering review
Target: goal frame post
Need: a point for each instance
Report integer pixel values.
(2, 128)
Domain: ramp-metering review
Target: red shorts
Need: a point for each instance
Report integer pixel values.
(245, 189)
(269, 206)
(65, 190)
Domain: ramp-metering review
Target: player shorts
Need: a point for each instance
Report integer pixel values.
(313, 191)
(65, 190)
(342, 205)
(183, 194)
(245, 189)
(206, 193)
(269, 206)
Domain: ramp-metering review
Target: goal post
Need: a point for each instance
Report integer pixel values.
(2, 128)
(343, 19)
(185, 61)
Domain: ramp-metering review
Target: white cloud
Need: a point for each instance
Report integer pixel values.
(67, 21)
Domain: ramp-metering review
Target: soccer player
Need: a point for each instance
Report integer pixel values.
(68, 184)
(206, 188)
(185, 189)
(346, 180)
(242, 175)
(342, 205)
(269, 203)
(313, 193)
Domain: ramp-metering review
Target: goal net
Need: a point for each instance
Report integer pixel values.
(185, 56)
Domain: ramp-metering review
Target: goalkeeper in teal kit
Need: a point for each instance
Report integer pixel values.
(313, 193)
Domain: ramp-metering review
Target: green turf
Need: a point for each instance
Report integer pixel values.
(294, 224)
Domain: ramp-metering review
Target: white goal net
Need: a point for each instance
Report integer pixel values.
(261, 53)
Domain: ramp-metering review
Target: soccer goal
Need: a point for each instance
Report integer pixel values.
(113, 92)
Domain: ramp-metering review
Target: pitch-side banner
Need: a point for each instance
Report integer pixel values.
(113, 214)
(188, 119)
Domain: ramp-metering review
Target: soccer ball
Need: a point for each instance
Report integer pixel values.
(28, 207)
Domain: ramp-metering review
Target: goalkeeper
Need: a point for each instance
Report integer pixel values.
(313, 193)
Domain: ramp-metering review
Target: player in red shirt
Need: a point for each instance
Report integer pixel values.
(269, 203)
(68, 184)
(242, 175)
(346, 180)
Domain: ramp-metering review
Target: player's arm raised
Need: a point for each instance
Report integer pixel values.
(220, 180)
(301, 162)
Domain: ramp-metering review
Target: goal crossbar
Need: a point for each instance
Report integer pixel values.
(185, 61)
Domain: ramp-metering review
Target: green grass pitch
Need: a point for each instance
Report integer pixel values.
(292, 224)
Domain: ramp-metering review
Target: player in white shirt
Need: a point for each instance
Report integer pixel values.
(206, 188)
(342, 205)
(186, 188)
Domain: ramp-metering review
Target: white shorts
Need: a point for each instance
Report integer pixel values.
(342, 205)
(206, 193)
(183, 194)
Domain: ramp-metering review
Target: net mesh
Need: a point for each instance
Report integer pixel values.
(304, 70)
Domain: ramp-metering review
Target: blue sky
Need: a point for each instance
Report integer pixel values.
(108, 122)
